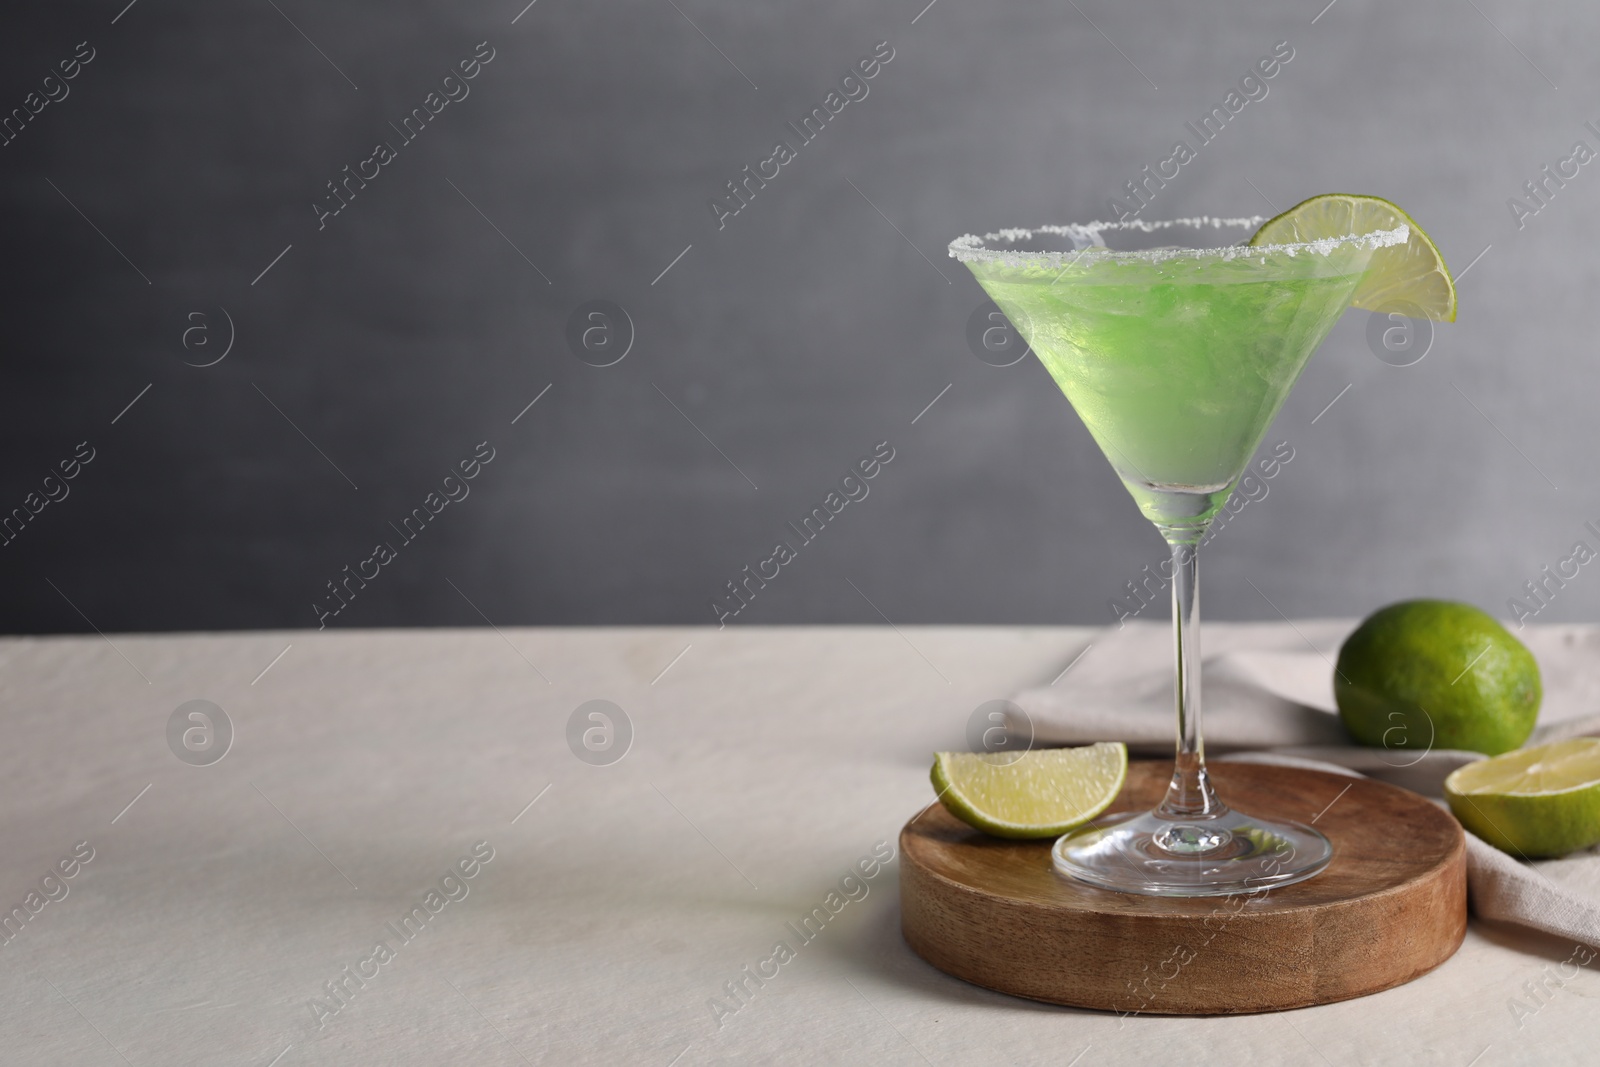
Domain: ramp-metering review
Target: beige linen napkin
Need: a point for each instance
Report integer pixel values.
(1268, 697)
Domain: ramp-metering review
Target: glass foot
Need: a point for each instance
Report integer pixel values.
(1143, 852)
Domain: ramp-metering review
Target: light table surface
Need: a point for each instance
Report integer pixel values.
(765, 763)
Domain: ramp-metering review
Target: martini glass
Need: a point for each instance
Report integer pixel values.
(1177, 344)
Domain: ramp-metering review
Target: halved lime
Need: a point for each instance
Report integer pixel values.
(1410, 278)
(1540, 801)
(1041, 793)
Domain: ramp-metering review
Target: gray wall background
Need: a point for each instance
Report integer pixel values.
(821, 320)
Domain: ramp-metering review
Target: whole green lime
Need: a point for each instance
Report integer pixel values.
(1427, 674)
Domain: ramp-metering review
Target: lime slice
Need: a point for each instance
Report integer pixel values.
(1410, 279)
(1541, 801)
(1041, 793)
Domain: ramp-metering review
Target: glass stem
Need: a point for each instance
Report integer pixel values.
(1189, 796)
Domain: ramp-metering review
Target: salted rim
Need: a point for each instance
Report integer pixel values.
(969, 248)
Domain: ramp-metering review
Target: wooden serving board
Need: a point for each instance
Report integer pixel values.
(1391, 906)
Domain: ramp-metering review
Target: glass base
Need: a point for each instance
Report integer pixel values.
(1158, 855)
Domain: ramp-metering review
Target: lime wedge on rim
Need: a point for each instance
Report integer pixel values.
(1540, 801)
(1040, 793)
(1410, 279)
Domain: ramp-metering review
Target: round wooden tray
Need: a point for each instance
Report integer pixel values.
(1390, 907)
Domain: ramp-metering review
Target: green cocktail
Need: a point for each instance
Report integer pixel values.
(1176, 366)
(1176, 343)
